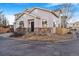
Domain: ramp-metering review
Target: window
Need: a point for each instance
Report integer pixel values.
(14, 23)
(44, 23)
(21, 23)
(53, 24)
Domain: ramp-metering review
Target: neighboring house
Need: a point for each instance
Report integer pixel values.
(37, 20)
(76, 26)
(70, 25)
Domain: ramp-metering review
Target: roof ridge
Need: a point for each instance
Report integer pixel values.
(37, 8)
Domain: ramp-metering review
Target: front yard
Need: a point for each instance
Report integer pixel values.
(51, 38)
(46, 37)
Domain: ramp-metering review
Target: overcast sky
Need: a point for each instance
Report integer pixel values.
(12, 8)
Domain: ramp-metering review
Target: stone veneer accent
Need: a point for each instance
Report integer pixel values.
(41, 30)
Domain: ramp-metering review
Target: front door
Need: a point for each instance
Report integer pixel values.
(32, 26)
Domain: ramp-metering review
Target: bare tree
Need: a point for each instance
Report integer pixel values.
(66, 14)
(3, 19)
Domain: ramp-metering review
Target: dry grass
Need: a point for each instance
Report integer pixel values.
(59, 38)
(52, 37)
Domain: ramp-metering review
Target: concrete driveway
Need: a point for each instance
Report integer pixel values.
(12, 47)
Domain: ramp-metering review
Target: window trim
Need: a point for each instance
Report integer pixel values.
(44, 23)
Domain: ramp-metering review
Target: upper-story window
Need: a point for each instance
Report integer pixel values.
(44, 23)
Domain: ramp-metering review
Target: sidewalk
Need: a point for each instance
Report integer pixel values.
(6, 34)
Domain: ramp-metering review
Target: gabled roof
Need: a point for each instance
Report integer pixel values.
(20, 16)
(44, 10)
(34, 9)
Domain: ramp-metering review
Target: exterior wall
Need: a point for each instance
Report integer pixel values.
(43, 15)
(24, 18)
(16, 25)
(47, 16)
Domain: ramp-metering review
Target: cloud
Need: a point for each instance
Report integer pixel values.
(10, 18)
(52, 4)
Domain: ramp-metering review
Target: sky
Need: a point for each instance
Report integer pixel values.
(10, 9)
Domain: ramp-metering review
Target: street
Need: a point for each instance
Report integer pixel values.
(13, 47)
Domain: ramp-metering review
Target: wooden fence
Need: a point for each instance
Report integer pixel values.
(4, 30)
